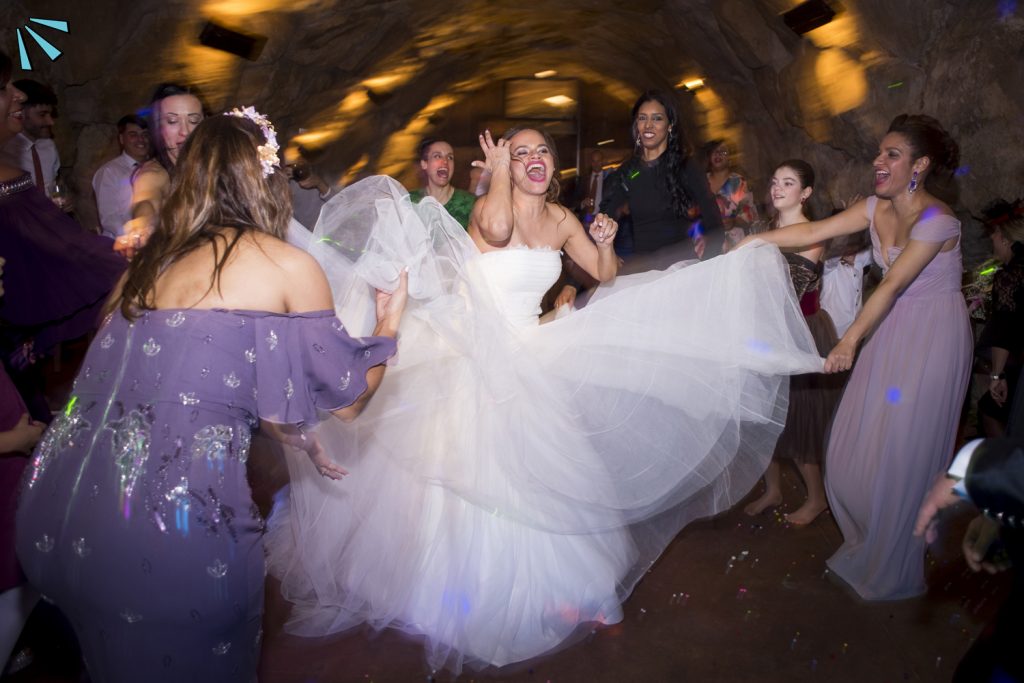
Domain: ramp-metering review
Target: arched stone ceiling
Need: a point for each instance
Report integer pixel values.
(358, 75)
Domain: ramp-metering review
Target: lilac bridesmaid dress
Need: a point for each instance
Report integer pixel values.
(136, 517)
(895, 426)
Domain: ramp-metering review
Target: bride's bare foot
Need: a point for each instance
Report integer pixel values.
(768, 499)
(807, 513)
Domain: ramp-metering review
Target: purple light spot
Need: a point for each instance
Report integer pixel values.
(1006, 8)
(893, 395)
(930, 212)
(758, 346)
(696, 230)
(962, 171)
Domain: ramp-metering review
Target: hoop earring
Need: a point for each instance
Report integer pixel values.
(912, 187)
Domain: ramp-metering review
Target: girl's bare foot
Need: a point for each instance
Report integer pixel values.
(807, 512)
(768, 499)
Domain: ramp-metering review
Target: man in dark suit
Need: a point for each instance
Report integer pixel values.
(990, 474)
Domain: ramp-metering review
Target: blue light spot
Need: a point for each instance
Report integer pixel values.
(893, 395)
(696, 230)
(962, 171)
(930, 212)
(758, 346)
(1006, 8)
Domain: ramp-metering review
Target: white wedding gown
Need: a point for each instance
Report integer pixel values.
(512, 481)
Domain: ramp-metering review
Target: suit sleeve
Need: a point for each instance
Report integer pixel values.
(995, 479)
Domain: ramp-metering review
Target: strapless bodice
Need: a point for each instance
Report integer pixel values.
(517, 278)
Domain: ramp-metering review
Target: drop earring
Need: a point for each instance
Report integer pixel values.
(912, 187)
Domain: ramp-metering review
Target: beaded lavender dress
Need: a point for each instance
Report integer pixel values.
(895, 427)
(136, 517)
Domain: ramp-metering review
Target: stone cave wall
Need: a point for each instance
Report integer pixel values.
(827, 97)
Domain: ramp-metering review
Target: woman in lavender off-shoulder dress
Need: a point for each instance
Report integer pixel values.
(895, 427)
(136, 517)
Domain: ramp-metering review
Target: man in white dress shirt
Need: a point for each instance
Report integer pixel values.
(842, 282)
(112, 182)
(33, 149)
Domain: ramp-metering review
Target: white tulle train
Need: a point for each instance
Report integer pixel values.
(511, 481)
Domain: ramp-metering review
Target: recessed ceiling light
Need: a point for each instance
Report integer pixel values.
(559, 100)
(545, 74)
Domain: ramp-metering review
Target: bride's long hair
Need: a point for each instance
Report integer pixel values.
(218, 184)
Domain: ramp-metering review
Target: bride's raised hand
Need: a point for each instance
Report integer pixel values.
(391, 305)
(496, 154)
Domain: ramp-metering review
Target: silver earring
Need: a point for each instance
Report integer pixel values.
(912, 187)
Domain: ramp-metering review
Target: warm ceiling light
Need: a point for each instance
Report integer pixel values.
(605, 142)
(545, 74)
(693, 83)
(559, 100)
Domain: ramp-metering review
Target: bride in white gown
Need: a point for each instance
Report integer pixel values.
(513, 481)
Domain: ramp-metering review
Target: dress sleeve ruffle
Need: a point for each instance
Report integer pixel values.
(937, 228)
(310, 363)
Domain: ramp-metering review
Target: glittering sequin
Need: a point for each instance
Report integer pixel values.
(244, 441)
(178, 497)
(80, 548)
(217, 570)
(366, 353)
(151, 347)
(289, 389)
(319, 349)
(336, 325)
(212, 442)
(107, 341)
(231, 380)
(61, 434)
(158, 380)
(44, 544)
(130, 616)
(250, 355)
(345, 381)
(188, 399)
(130, 440)
(272, 340)
(176, 320)
(207, 339)
(221, 648)
(204, 373)
(214, 515)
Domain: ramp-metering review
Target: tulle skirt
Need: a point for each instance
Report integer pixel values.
(511, 482)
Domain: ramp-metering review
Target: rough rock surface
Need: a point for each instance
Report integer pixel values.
(365, 78)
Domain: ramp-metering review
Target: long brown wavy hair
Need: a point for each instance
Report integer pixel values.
(218, 185)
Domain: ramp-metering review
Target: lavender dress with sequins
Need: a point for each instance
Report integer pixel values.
(136, 517)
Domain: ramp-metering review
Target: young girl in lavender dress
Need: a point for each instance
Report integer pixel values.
(136, 518)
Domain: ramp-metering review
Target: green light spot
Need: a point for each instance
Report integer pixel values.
(897, 84)
(634, 174)
(988, 271)
(70, 406)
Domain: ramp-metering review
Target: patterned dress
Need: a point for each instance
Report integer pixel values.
(136, 517)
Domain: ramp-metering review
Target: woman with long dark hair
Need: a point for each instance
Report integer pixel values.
(896, 423)
(175, 111)
(664, 190)
(136, 517)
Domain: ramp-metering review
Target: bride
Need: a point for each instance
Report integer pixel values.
(512, 482)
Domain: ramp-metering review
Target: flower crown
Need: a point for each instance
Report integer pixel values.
(268, 151)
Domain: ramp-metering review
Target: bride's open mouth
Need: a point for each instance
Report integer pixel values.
(537, 172)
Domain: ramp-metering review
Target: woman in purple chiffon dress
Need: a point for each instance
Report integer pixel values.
(136, 517)
(895, 427)
(57, 275)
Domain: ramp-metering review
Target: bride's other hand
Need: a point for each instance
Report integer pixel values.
(324, 465)
(391, 305)
(603, 230)
(294, 436)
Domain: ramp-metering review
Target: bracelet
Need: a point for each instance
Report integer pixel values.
(997, 376)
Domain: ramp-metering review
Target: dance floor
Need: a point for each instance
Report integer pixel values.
(733, 599)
